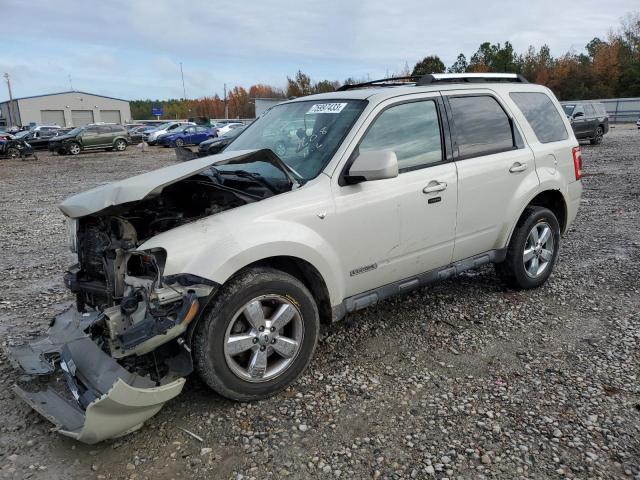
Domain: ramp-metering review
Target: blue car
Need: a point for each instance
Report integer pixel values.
(190, 135)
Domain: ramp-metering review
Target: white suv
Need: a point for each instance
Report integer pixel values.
(232, 261)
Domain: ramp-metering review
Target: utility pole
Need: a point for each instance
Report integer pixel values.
(184, 91)
(11, 117)
(226, 108)
(70, 83)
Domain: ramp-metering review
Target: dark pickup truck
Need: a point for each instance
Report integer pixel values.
(588, 119)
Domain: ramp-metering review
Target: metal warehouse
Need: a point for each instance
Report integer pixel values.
(66, 109)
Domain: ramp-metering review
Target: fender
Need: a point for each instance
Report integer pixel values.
(217, 247)
(543, 187)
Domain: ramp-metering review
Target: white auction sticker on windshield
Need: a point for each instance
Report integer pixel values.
(327, 108)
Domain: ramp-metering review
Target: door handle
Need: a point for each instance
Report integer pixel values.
(518, 167)
(434, 187)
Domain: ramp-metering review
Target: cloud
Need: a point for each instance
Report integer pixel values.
(133, 49)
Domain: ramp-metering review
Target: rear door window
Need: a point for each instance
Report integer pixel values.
(482, 127)
(542, 115)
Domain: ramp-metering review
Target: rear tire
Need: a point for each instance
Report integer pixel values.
(120, 145)
(257, 369)
(13, 153)
(597, 136)
(532, 251)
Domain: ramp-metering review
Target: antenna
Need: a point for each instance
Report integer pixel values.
(70, 83)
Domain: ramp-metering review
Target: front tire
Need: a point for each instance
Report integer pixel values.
(258, 336)
(532, 251)
(74, 148)
(179, 142)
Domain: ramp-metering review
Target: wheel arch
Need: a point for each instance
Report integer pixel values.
(304, 271)
(554, 200)
(297, 267)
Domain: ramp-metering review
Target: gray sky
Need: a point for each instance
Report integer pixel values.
(132, 48)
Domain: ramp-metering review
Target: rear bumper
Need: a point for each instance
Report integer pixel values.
(104, 400)
(573, 202)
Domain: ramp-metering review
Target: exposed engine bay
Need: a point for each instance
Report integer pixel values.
(124, 349)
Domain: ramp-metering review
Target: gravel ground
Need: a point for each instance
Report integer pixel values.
(459, 380)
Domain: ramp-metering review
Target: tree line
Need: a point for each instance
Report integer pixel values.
(608, 68)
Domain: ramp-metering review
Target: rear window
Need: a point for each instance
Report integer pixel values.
(589, 110)
(542, 115)
(600, 110)
(482, 127)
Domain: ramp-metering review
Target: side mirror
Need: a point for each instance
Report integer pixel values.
(373, 165)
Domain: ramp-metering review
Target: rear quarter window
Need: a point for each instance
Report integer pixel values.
(542, 115)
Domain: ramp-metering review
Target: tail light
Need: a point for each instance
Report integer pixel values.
(577, 162)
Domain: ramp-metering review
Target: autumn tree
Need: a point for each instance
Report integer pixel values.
(299, 86)
(430, 64)
(460, 65)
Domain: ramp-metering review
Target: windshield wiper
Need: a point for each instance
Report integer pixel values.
(294, 177)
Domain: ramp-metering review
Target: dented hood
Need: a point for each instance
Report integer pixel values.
(148, 184)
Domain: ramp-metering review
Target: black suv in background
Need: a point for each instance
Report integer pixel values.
(91, 137)
(588, 119)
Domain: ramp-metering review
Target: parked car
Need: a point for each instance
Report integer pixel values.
(218, 144)
(38, 139)
(638, 123)
(45, 128)
(228, 264)
(91, 137)
(13, 147)
(131, 126)
(223, 129)
(190, 135)
(137, 134)
(589, 120)
(152, 136)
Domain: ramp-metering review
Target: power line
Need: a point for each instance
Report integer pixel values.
(184, 91)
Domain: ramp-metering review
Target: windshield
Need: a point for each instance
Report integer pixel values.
(181, 128)
(22, 134)
(305, 135)
(568, 109)
(76, 131)
(233, 133)
(163, 126)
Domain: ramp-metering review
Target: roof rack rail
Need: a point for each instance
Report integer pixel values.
(431, 78)
(470, 78)
(382, 82)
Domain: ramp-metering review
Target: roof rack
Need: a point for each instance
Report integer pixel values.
(383, 82)
(431, 78)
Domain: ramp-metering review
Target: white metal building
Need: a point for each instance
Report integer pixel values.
(66, 109)
(263, 104)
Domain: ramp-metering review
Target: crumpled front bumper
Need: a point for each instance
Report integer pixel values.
(104, 400)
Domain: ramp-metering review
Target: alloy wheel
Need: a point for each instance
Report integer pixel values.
(263, 338)
(598, 136)
(538, 249)
(74, 149)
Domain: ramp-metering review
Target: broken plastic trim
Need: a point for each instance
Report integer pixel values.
(117, 401)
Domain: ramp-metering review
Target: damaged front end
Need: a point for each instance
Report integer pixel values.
(123, 350)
